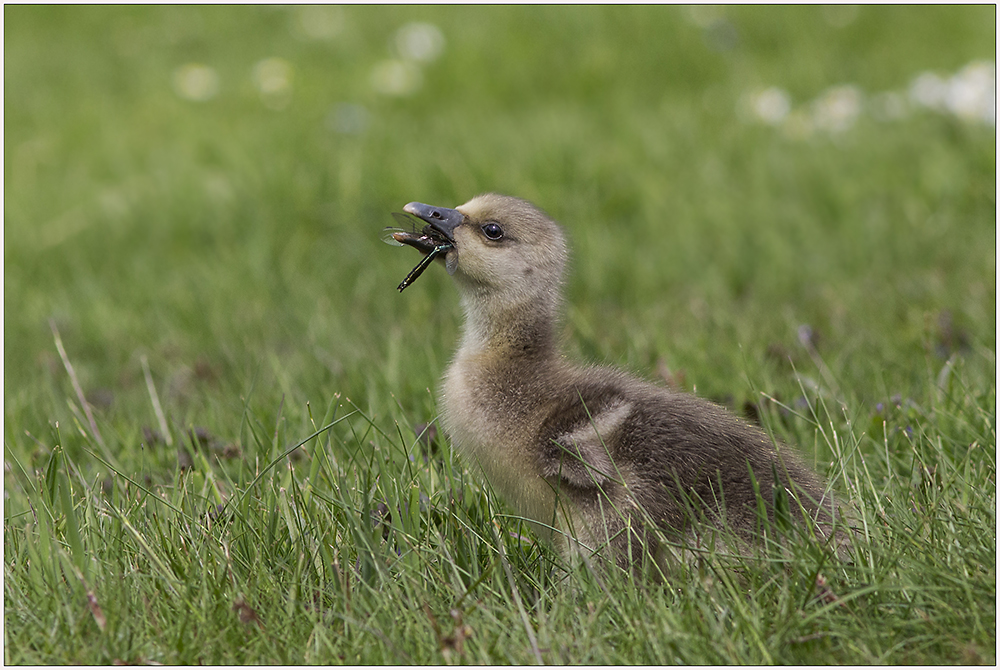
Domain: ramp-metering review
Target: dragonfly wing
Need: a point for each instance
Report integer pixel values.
(388, 236)
(410, 223)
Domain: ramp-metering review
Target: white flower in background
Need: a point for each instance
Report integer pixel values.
(273, 79)
(396, 77)
(837, 108)
(196, 82)
(972, 93)
(318, 22)
(348, 119)
(421, 42)
(416, 44)
(771, 105)
(929, 90)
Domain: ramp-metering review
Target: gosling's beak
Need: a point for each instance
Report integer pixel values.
(442, 219)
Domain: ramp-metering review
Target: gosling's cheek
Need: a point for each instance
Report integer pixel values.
(476, 267)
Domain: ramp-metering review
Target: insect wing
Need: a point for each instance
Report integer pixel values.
(387, 235)
(410, 223)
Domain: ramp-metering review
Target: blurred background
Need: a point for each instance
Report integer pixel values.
(743, 188)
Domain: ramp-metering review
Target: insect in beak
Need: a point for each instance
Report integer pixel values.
(428, 240)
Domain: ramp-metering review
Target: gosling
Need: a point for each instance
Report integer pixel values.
(593, 457)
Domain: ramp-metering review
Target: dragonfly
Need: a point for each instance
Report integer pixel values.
(428, 240)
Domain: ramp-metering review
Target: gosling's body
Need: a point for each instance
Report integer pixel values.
(589, 455)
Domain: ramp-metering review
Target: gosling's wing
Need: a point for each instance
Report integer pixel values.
(578, 438)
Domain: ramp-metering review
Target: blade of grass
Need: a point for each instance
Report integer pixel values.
(76, 384)
(278, 458)
(155, 399)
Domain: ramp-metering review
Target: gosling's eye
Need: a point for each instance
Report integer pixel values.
(493, 231)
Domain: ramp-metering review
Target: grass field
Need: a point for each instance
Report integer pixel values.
(768, 207)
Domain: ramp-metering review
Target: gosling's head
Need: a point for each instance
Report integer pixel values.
(506, 250)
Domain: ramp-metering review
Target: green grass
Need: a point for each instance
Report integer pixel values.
(233, 250)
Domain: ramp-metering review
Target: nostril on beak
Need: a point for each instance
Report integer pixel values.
(436, 215)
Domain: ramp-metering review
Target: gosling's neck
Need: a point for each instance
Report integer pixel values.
(509, 330)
